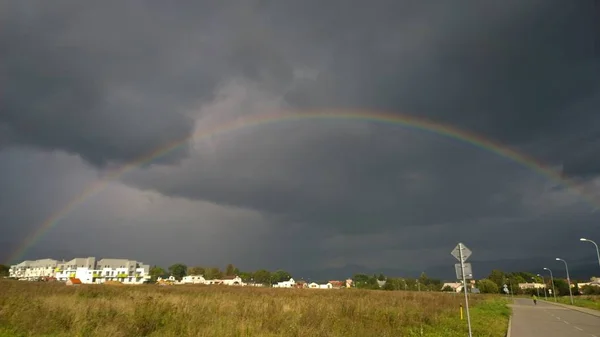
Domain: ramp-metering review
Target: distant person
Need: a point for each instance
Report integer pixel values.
(534, 299)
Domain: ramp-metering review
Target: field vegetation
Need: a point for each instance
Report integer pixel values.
(53, 309)
(584, 301)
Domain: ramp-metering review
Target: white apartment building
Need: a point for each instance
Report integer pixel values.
(33, 269)
(88, 270)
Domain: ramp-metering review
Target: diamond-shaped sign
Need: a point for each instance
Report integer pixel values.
(466, 252)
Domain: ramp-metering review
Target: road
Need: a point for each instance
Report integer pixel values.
(549, 320)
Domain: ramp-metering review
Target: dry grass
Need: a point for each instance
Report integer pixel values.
(41, 309)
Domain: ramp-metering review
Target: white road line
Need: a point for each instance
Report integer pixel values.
(566, 322)
(578, 328)
(593, 335)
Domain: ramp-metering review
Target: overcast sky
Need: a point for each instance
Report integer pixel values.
(86, 88)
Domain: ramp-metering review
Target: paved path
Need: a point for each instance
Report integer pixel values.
(550, 320)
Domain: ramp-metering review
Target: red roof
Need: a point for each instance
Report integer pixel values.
(75, 280)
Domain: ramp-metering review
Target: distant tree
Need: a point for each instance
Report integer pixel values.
(393, 284)
(561, 286)
(156, 272)
(196, 271)
(178, 270)
(229, 270)
(435, 285)
(360, 279)
(262, 276)
(381, 277)
(590, 290)
(213, 273)
(245, 276)
(411, 284)
(498, 277)
(423, 279)
(281, 276)
(487, 286)
(4, 270)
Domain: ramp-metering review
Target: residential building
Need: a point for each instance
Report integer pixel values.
(193, 279)
(531, 285)
(455, 286)
(33, 269)
(88, 270)
(286, 284)
(199, 279)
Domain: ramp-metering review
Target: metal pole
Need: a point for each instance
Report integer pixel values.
(462, 268)
(568, 278)
(552, 280)
(535, 286)
(545, 286)
(597, 250)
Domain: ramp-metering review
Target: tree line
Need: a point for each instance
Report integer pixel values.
(495, 282)
(492, 284)
(179, 270)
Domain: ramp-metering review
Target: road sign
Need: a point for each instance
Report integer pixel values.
(468, 271)
(462, 253)
(466, 252)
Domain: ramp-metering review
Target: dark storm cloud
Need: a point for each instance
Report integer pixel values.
(333, 176)
(112, 82)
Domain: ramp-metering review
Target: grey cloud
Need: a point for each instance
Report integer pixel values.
(479, 66)
(111, 82)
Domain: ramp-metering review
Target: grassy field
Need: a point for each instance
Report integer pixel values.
(591, 302)
(47, 309)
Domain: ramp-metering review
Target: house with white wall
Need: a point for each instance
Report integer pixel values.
(455, 286)
(531, 285)
(286, 284)
(232, 281)
(88, 270)
(193, 279)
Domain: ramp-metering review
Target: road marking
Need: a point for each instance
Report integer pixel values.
(593, 335)
(578, 328)
(566, 322)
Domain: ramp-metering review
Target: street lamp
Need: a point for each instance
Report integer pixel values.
(568, 278)
(535, 286)
(597, 251)
(545, 290)
(552, 280)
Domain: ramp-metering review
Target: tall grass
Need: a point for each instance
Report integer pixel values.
(53, 309)
(584, 301)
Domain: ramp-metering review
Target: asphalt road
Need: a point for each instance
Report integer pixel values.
(548, 320)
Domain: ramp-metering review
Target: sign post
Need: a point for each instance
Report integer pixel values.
(462, 253)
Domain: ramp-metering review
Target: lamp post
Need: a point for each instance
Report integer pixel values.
(535, 286)
(568, 278)
(597, 251)
(545, 290)
(552, 280)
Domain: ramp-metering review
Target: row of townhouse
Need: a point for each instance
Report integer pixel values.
(88, 270)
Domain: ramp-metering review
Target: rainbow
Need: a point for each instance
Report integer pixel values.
(412, 122)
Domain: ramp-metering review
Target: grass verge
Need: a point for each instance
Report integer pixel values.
(590, 302)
